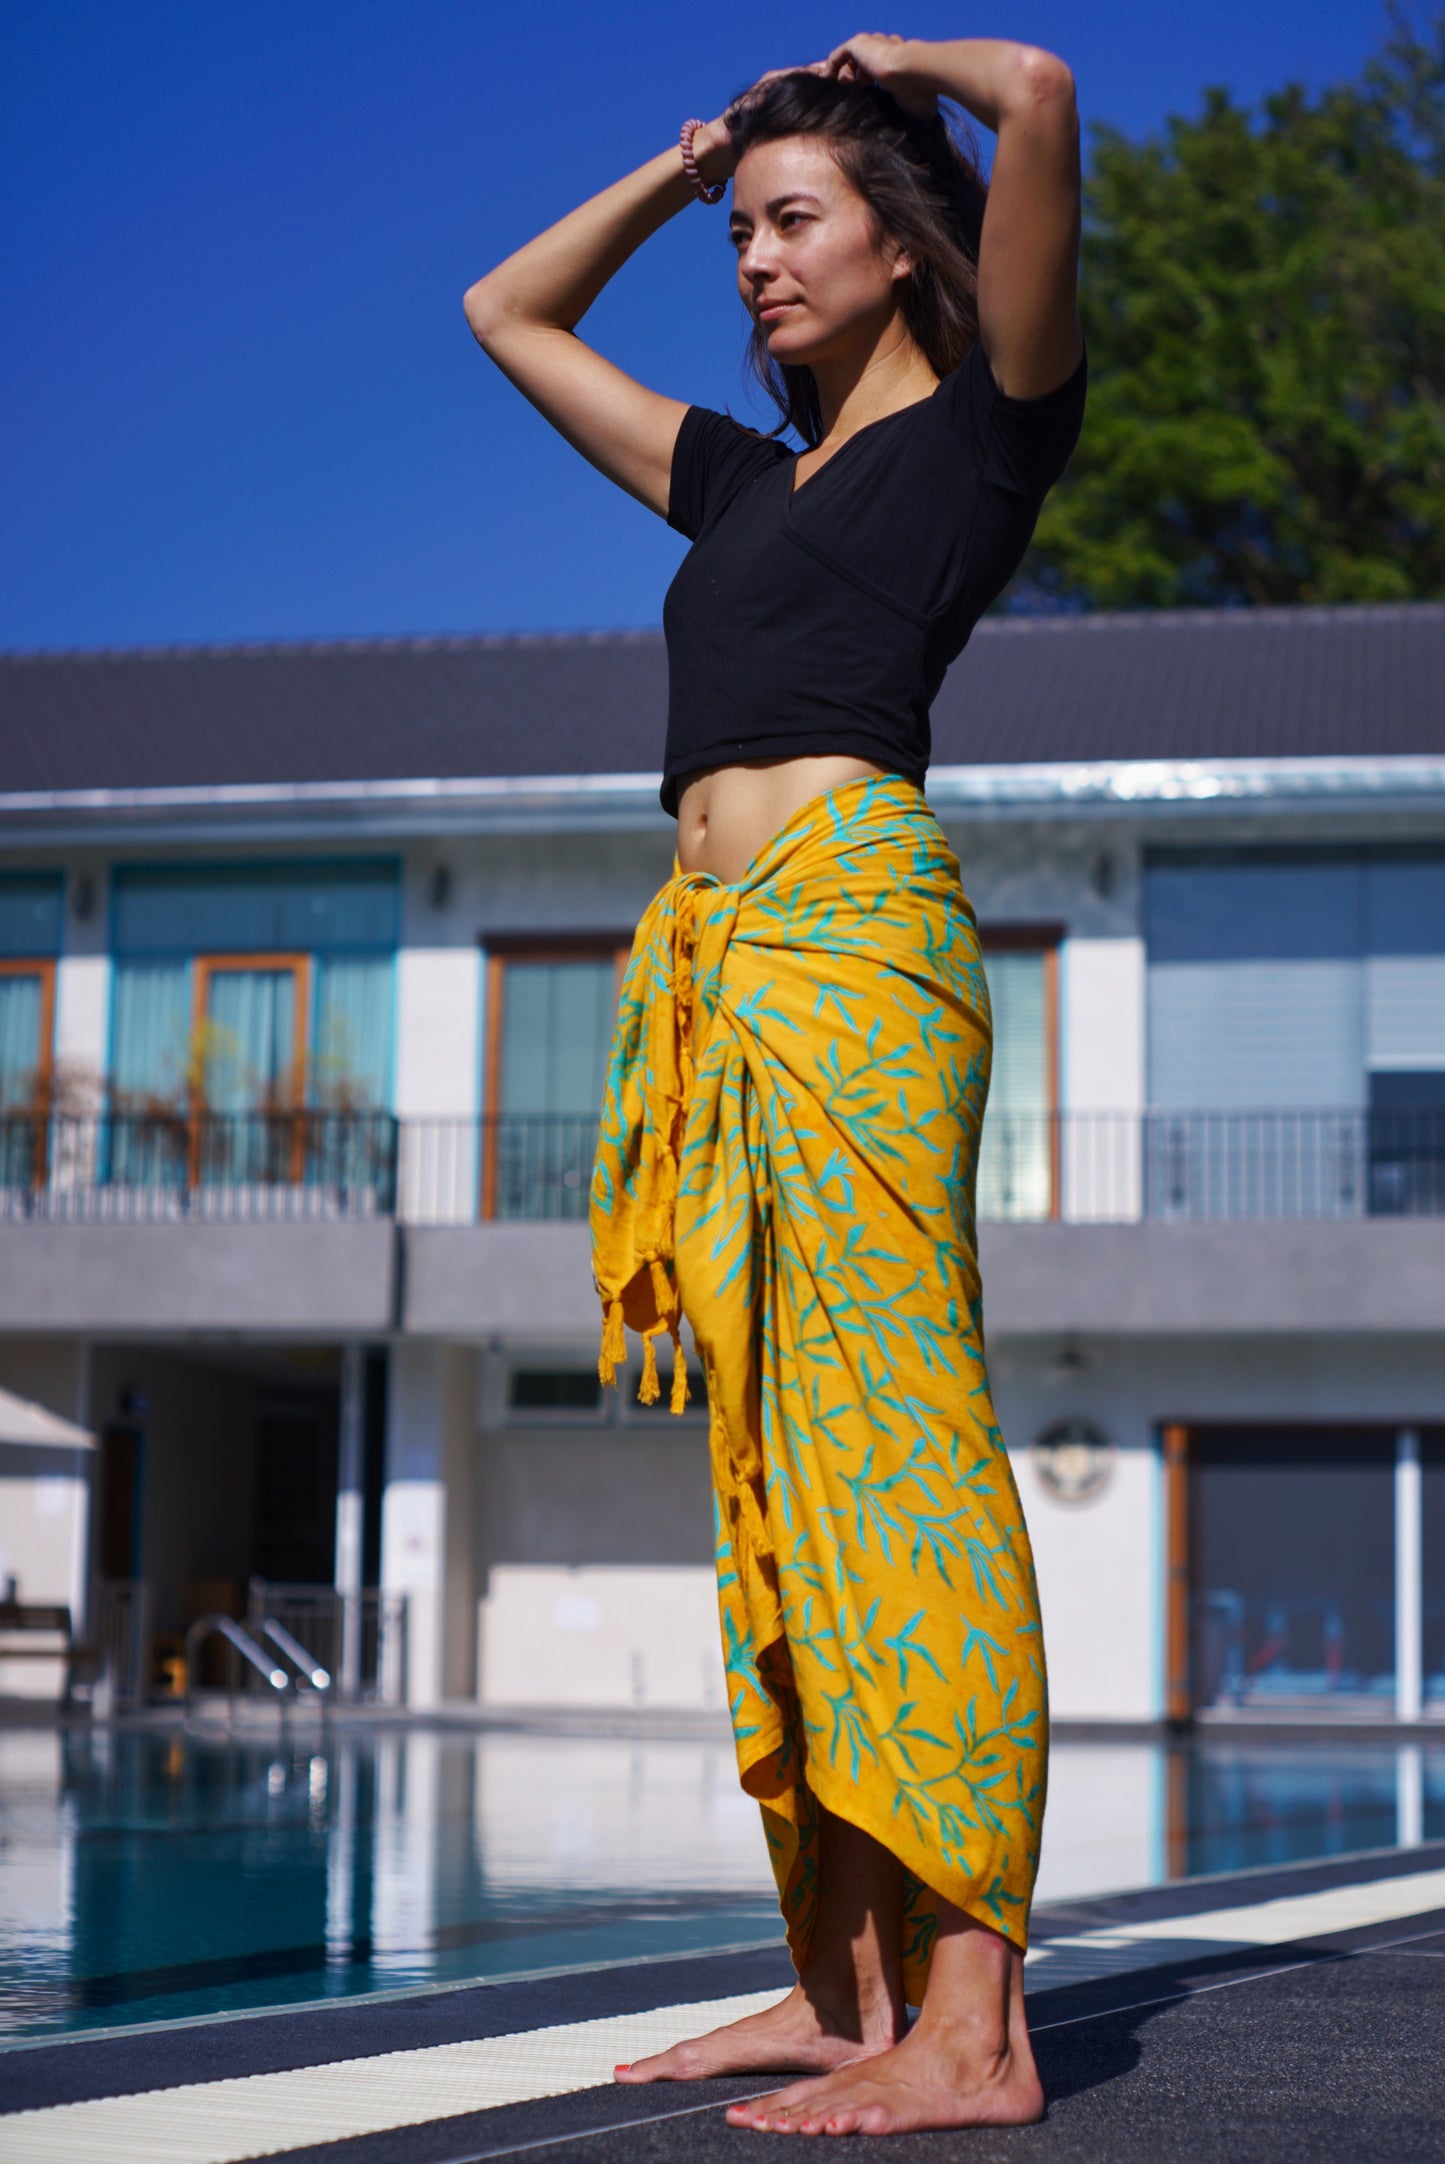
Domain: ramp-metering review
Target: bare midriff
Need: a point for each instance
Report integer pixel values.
(727, 814)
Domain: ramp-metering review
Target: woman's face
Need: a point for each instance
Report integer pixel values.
(811, 271)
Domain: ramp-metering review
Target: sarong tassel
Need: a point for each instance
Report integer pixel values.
(614, 1343)
(649, 1390)
(680, 1392)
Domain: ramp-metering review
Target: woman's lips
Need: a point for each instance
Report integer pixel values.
(767, 309)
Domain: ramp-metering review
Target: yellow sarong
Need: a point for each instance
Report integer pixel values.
(788, 1151)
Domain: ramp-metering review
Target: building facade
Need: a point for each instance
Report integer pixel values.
(308, 960)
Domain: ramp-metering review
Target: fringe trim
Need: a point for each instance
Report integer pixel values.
(649, 1390)
(614, 1343)
(680, 1392)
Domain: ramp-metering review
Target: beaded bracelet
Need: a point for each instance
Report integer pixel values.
(700, 188)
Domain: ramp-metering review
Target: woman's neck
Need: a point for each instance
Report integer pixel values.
(857, 389)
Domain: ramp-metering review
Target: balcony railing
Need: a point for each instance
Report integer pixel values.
(143, 1167)
(1084, 1167)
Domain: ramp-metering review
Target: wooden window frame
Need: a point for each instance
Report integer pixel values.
(1178, 1686)
(204, 968)
(1044, 938)
(43, 967)
(498, 949)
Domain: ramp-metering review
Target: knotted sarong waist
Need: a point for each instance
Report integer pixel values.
(787, 1154)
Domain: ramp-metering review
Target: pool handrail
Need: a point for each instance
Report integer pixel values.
(309, 1667)
(244, 1644)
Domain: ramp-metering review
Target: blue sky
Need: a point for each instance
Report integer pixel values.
(238, 399)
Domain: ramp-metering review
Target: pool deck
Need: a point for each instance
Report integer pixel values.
(1278, 2015)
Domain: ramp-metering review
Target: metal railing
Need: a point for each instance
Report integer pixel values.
(357, 1640)
(1087, 1167)
(241, 1647)
(156, 1167)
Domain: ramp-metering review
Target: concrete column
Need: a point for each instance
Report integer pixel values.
(428, 1448)
(82, 985)
(85, 1486)
(1409, 1576)
(438, 1051)
(350, 1503)
(1409, 1795)
(1101, 1076)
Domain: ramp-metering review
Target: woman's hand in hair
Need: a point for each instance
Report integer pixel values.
(891, 62)
(712, 147)
(746, 97)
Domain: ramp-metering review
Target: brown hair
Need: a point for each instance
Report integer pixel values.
(923, 190)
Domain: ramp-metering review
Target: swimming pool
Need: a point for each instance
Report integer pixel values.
(150, 1875)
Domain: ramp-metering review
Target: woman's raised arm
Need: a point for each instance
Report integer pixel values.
(525, 312)
(1028, 255)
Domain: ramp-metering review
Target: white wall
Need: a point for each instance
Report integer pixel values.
(638, 1635)
(1101, 1035)
(82, 985)
(1080, 874)
(438, 993)
(1101, 1075)
(44, 1513)
(46, 1499)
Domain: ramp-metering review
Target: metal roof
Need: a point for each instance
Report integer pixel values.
(1168, 685)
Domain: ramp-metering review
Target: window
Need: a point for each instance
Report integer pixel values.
(251, 1022)
(1296, 1031)
(550, 1016)
(250, 1032)
(29, 940)
(1292, 1567)
(1018, 1164)
(554, 1390)
(543, 1393)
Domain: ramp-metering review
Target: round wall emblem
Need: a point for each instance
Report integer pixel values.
(1073, 1460)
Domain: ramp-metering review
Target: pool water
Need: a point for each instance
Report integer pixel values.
(149, 1876)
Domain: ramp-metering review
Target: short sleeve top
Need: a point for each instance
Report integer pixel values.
(823, 618)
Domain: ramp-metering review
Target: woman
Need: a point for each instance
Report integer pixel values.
(793, 1111)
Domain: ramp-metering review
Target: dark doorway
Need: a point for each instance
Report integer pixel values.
(1407, 1144)
(122, 1461)
(295, 1525)
(1292, 1567)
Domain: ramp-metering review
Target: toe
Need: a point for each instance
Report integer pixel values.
(750, 2115)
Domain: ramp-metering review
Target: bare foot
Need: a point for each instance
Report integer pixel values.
(928, 2080)
(805, 2033)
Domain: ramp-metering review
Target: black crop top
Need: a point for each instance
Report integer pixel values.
(824, 620)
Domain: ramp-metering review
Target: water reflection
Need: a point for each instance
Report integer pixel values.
(147, 1876)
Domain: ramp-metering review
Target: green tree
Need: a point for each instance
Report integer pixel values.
(1264, 301)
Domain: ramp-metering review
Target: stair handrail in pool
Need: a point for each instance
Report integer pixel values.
(307, 1665)
(244, 1644)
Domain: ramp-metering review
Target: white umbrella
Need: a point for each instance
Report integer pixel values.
(22, 1421)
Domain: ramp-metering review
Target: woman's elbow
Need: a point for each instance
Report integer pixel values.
(1047, 83)
(479, 304)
